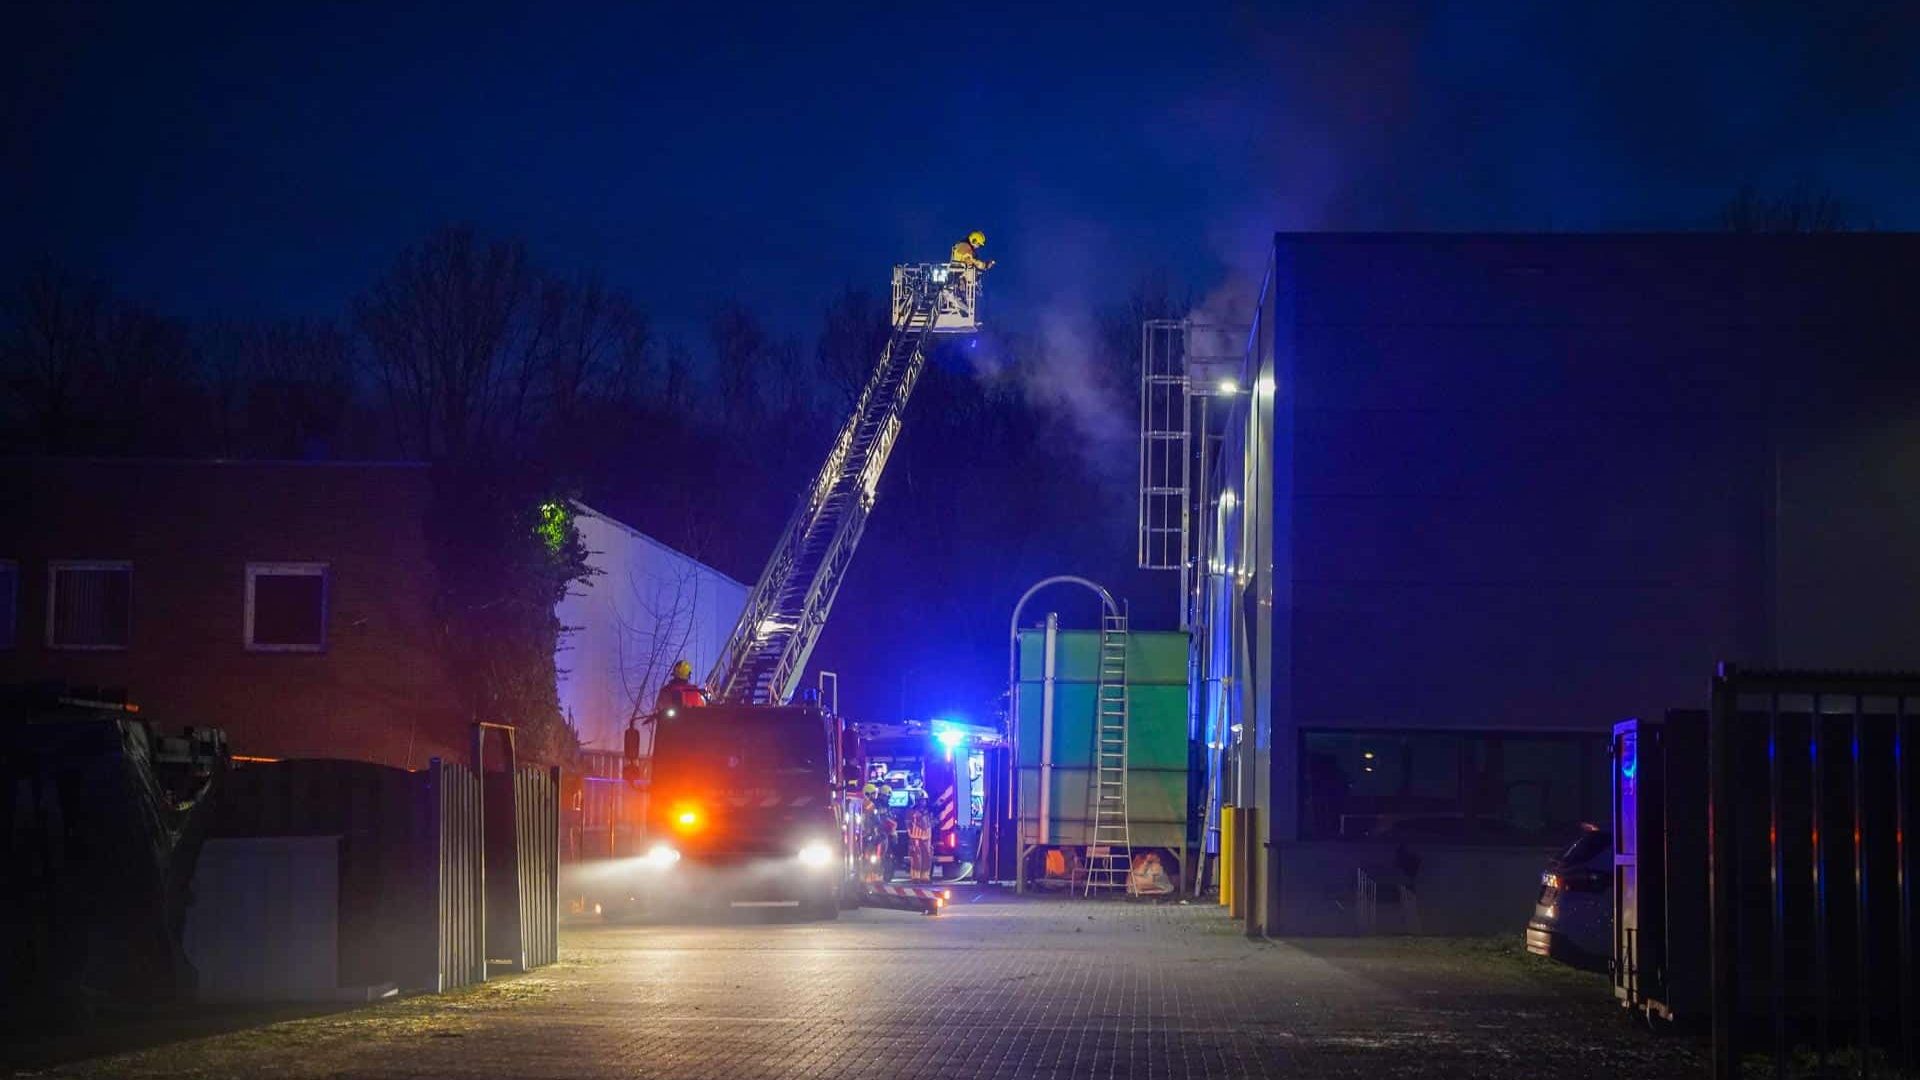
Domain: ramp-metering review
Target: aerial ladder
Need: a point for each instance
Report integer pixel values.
(764, 659)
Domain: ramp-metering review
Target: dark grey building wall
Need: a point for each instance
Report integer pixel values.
(1536, 477)
(1545, 482)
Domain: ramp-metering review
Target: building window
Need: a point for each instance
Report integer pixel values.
(89, 604)
(286, 607)
(9, 602)
(1486, 787)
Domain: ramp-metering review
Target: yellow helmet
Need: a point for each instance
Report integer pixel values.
(683, 670)
(977, 238)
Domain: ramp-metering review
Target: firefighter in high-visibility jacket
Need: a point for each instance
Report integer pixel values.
(873, 834)
(920, 840)
(966, 253)
(680, 691)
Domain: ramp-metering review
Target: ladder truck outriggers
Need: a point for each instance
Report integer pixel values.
(755, 800)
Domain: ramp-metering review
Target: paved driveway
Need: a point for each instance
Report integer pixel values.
(994, 988)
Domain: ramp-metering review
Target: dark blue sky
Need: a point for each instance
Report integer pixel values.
(264, 158)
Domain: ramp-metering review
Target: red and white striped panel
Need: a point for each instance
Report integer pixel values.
(911, 892)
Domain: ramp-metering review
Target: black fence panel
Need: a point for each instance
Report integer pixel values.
(371, 809)
(1812, 783)
(410, 907)
(537, 802)
(455, 804)
(523, 866)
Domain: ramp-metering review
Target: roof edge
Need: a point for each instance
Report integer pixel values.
(583, 508)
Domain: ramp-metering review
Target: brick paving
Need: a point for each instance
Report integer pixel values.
(995, 988)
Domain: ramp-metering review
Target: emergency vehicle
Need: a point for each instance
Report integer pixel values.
(752, 798)
(947, 762)
(750, 806)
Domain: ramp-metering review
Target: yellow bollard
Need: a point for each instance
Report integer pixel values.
(1223, 866)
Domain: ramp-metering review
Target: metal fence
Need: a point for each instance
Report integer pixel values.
(600, 811)
(419, 853)
(1813, 786)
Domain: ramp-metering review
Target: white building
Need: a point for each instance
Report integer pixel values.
(647, 607)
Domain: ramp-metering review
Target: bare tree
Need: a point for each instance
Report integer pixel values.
(598, 346)
(794, 388)
(152, 397)
(648, 644)
(476, 350)
(301, 389)
(1803, 208)
(91, 373)
(277, 389)
(740, 354)
(855, 328)
(676, 377)
(455, 343)
(53, 353)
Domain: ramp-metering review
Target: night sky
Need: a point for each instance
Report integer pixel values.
(258, 160)
(263, 159)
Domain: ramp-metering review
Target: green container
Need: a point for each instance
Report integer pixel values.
(1154, 656)
(1156, 735)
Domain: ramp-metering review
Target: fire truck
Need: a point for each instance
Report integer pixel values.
(756, 799)
(947, 762)
(749, 805)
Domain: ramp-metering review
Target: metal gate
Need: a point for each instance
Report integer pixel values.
(456, 824)
(523, 867)
(1812, 783)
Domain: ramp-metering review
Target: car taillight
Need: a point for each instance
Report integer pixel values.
(1580, 881)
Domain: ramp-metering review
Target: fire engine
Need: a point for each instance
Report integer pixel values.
(756, 799)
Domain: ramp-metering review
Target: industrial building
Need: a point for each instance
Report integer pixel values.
(647, 606)
(1454, 504)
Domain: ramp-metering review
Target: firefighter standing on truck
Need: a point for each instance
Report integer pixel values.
(920, 840)
(680, 691)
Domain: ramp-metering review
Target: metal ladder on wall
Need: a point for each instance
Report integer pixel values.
(764, 659)
(1166, 451)
(1110, 848)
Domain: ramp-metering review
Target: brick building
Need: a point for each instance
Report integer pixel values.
(289, 603)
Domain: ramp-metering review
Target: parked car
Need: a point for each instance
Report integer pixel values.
(1573, 916)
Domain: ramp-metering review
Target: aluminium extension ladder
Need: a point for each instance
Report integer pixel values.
(1109, 862)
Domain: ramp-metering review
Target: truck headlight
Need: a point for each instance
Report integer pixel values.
(816, 855)
(661, 856)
